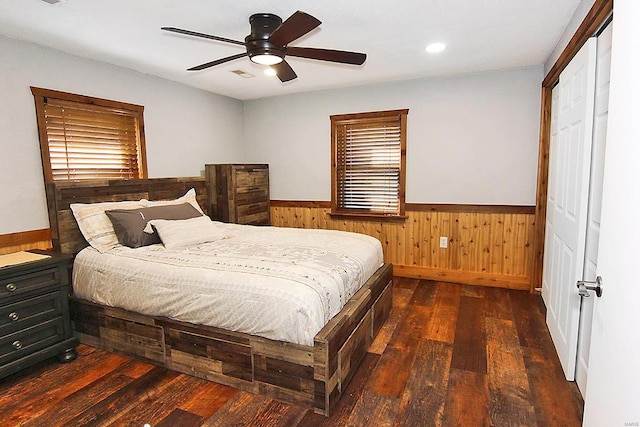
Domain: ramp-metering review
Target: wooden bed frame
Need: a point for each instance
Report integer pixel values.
(311, 376)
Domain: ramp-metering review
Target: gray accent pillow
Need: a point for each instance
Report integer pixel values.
(129, 224)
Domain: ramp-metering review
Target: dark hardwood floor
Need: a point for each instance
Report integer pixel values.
(449, 355)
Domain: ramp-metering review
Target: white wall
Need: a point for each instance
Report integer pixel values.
(184, 127)
(471, 139)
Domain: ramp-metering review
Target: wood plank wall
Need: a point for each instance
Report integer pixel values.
(25, 240)
(488, 245)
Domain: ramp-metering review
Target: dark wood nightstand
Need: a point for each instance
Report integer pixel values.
(34, 313)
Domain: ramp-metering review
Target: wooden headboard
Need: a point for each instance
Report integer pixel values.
(65, 234)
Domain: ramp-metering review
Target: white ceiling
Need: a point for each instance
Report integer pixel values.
(480, 35)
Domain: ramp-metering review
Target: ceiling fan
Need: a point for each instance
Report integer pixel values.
(268, 44)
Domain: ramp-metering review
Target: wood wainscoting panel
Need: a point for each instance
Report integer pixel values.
(25, 240)
(487, 245)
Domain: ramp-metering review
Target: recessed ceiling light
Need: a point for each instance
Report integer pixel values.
(436, 47)
(269, 72)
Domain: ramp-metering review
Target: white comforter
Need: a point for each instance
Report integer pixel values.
(279, 283)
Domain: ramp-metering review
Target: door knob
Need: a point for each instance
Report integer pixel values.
(584, 286)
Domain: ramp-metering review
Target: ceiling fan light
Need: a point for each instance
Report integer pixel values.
(266, 59)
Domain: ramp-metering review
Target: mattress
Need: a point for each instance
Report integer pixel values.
(279, 283)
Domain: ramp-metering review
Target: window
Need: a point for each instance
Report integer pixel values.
(84, 138)
(368, 166)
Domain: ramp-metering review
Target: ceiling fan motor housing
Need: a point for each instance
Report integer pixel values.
(262, 26)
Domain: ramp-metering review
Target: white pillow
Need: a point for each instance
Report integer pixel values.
(189, 197)
(186, 232)
(95, 225)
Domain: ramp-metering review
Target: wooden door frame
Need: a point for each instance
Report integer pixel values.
(597, 16)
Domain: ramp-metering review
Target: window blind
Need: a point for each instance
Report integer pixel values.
(85, 140)
(89, 142)
(369, 164)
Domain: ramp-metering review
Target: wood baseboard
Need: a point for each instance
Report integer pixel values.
(463, 277)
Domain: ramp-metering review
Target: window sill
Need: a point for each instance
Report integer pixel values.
(368, 217)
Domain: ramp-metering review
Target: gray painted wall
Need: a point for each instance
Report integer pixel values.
(470, 139)
(185, 128)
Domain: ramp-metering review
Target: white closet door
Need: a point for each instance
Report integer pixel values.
(567, 202)
(601, 114)
(613, 396)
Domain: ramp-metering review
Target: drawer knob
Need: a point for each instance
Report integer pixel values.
(17, 345)
(14, 316)
(11, 287)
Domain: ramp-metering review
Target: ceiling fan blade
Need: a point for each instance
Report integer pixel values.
(216, 62)
(297, 25)
(284, 71)
(340, 56)
(206, 36)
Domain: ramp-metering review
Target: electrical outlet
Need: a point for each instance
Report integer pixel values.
(444, 241)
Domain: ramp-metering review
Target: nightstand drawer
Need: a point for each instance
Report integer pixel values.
(30, 311)
(28, 282)
(30, 340)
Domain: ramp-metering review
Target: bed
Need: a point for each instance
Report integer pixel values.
(311, 369)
